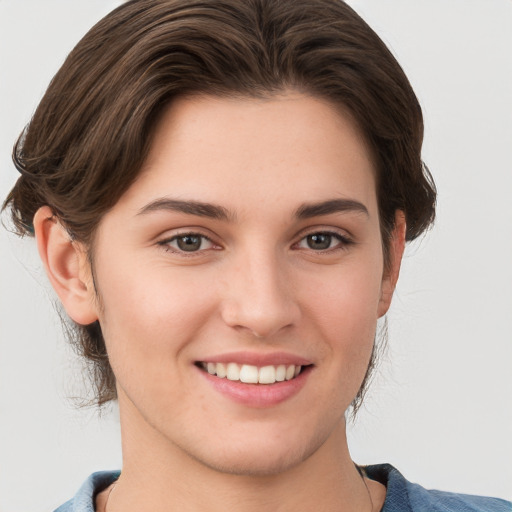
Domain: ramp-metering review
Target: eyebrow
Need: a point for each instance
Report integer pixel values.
(213, 211)
(309, 210)
(190, 207)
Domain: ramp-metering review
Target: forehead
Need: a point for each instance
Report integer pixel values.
(254, 153)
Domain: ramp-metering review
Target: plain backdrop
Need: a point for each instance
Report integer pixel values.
(440, 408)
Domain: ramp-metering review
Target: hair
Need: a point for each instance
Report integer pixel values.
(91, 132)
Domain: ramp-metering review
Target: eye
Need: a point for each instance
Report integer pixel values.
(187, 242)
(323, 241)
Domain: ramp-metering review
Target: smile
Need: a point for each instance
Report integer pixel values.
(250, 374)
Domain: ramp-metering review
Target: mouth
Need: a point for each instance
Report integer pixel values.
(250, 374)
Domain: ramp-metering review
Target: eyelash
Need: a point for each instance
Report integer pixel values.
(343, 243)
(165, 244)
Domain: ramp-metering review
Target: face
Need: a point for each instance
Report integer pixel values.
(240, 280)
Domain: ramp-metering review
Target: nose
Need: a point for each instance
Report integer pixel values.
(259, 296)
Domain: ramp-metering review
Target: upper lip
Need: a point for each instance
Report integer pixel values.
(258, 359)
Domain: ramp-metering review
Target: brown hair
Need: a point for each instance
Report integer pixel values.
(91, 132)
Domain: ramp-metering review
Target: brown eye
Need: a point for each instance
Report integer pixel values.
(319, 241)
(323, 241)
(188, 242)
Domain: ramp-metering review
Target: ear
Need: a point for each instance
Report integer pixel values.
(396, 251)
(67, 267)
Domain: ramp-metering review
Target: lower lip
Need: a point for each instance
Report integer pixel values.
(258, 395)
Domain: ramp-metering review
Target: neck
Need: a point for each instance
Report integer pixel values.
(157, 475)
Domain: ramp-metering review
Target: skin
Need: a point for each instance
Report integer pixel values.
(256, 286)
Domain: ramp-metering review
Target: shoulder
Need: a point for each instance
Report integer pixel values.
(83, 501)
(405, 496)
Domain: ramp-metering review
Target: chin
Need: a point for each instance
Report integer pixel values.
(243, 464)
(259, 459)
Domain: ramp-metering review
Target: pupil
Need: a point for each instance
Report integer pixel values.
(189, 243)
(319, 241)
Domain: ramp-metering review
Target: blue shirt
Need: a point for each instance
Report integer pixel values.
(401, 496)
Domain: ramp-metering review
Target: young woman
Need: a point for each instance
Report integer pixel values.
(221, 193)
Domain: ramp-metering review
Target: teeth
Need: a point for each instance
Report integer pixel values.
(233, 371)
(221, 370)
(280, 373)
(290, 372)
(250, 374)
(267, 375)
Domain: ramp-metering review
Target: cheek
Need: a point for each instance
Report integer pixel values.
(151, 312)
(344, 310)
(348, 297)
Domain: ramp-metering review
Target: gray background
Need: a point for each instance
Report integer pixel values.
(441, 407)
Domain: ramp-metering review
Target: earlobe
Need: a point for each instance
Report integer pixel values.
(396, 251)
(67, 267)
